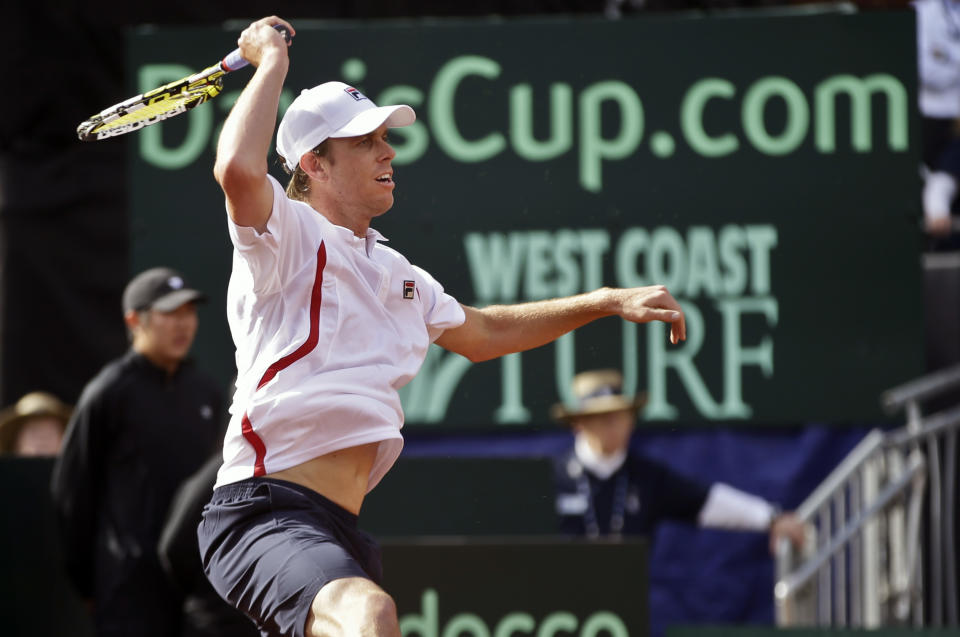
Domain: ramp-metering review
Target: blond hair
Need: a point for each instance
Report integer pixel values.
(298, 188)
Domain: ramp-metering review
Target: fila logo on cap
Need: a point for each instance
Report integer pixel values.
(408, 288)
(354, 93)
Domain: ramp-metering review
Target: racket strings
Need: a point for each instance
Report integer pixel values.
(155, 107)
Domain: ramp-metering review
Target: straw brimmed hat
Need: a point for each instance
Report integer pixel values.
(36, 404)
(598, 392)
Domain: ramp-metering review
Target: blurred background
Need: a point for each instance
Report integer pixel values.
(787, 169)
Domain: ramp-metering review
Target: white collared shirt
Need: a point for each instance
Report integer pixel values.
(327, 326)
(938, 57)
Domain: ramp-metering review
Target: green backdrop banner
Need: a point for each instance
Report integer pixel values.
(517, 586)
(763, 167)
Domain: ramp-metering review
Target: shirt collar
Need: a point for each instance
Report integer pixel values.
(370, 240)
(372, 237)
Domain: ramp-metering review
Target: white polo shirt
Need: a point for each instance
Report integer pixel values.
(938, 57)
(327, 326)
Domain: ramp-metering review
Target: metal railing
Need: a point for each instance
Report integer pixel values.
(879, 552)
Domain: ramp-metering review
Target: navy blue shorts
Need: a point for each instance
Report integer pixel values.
(268, 547)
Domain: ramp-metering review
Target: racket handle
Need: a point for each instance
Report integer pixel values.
(235, 60)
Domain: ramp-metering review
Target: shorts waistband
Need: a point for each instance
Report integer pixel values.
(245, 488)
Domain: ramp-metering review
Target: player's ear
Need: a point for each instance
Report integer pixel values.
(315, 166)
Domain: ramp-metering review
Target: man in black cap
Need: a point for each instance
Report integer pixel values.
(143, 424)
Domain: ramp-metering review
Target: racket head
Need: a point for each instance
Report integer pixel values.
(154, 106)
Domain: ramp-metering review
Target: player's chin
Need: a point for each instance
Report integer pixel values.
(384, 203)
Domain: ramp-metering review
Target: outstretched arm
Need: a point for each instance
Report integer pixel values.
(241, 166)
(503, 329)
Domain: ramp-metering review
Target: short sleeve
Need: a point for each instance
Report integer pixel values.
(261, 252)
(440, 310)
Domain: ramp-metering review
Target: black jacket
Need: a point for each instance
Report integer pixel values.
(206, 614)
(638, 496)
(135, 435)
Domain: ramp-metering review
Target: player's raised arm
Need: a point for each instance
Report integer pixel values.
(503, 329)
(241, 166)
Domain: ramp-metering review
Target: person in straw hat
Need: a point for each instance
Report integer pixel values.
(605, 489)
(34, 425)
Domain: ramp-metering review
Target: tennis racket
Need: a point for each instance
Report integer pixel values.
(164, 102)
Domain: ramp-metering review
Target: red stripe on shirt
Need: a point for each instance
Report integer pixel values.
(258, 447)
(316, 296)
(314, 337)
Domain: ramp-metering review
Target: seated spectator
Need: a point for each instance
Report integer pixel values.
(605, 489)
(34, 426)
(938, 58)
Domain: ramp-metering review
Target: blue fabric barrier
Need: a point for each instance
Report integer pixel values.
(697, 576)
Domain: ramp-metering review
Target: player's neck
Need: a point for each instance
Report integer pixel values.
(353, 218)
(355, 214)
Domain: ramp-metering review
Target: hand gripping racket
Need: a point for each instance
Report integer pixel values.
(164, 102)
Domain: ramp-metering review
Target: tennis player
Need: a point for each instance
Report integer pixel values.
(328, 324)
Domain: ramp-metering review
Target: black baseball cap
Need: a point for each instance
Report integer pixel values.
(161, 289)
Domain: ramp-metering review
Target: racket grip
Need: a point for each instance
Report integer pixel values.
(235, 60)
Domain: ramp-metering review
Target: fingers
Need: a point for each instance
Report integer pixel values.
(263, 30)
(271, 34)
(790, 527)
(274, 21)
(665, 315)
(261, 37)
(678, 330)
(655, 303)
(798, 535)
(678, 327)
(675, 318)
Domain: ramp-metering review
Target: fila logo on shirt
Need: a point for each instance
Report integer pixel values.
(354, 93)
(408, 289)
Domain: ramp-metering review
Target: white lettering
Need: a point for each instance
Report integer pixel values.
(427, 623)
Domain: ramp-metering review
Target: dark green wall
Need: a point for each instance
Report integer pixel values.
(35, 596)
(763, 167)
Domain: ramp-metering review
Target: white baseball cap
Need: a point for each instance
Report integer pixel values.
(332, 109)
